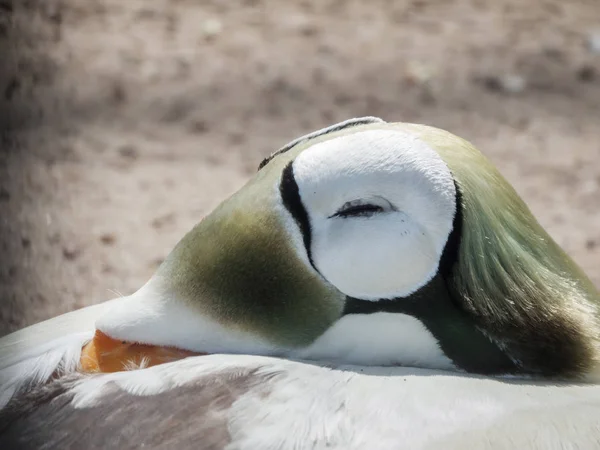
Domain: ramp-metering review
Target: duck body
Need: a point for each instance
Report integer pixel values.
(255, 402)
(374, 285)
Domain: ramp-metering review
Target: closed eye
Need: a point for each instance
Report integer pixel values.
(359, 208)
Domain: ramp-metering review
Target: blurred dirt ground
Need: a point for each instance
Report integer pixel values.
(124, 122)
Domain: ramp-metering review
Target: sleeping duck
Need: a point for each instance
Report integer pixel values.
(374, 286)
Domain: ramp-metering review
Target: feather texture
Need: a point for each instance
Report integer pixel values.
(250, 402)
(34, 354)
(511, 277)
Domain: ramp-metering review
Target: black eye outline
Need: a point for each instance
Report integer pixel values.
(365, 210)
(359, 208)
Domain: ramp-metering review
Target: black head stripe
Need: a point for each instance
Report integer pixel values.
(337, 127)
(290, 196)
(451, 250)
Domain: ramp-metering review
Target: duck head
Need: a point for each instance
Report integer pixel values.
(369, 243)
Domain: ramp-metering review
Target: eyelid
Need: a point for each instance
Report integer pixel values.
(376, 201)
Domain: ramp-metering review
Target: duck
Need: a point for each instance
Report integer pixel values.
(375, 285)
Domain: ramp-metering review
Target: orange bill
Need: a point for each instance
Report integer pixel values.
(105, 354)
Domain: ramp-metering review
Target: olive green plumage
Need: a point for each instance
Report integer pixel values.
(511, 276)
(252, 278)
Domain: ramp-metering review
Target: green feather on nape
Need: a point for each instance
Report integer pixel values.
(517, 284)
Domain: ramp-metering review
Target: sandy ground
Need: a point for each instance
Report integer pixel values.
(124, 122)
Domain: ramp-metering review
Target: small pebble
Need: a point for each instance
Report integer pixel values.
(593, 42)
(212, 28)
(587, 73)
(301, 23)
(128, 152)
(70, 252)
(118, 93)
(199, 126)
(513, 84)
(419, 73)
(108, 239)
(509, 84)
(163, 220)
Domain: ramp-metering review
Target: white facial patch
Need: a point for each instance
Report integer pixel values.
(393, 248)
(154, 316)
(380, 339)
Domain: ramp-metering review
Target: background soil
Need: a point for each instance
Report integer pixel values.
(124, 122)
